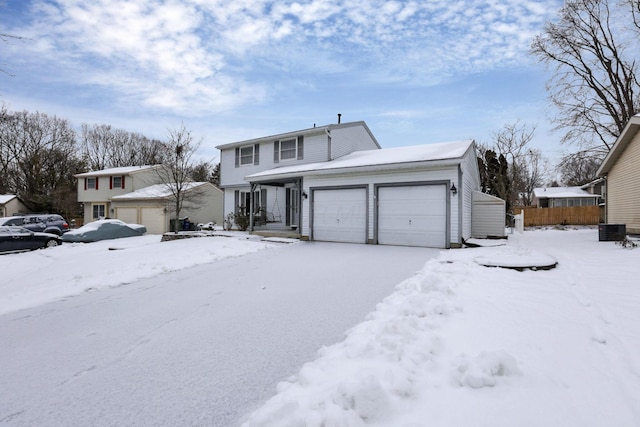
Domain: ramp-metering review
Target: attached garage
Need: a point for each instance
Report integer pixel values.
(413, 215)
(128, 215)
(340, 214)
(409, 196)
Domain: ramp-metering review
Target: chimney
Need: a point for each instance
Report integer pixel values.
(339, 116)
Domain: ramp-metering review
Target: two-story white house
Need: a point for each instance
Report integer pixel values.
(335, 183)
(136, 194)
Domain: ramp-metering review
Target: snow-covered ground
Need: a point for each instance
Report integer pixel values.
(460, 344)
(456, 344)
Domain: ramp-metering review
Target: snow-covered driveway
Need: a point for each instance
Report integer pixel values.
(201, 346)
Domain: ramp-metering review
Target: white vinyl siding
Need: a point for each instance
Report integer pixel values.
(623, 184)
(345, 140)
(488, 217)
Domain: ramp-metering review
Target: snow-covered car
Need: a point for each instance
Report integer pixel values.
(17, 239)
(104, 229)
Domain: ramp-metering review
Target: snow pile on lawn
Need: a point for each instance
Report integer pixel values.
(460, 344)
(33, 278)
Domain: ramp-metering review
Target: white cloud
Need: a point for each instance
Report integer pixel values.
(193, 56)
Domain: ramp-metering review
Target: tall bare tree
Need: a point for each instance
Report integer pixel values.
(179, 153)
(578, 168)
(104, 147)
(526, 166)
(593, 51)
(38, 156)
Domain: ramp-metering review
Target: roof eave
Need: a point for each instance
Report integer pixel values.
(628, 133)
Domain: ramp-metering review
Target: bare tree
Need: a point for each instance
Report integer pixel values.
(527, 167)
(38, 156)
(104, 147)
(593, 53)
(579, 168)
(179, 151)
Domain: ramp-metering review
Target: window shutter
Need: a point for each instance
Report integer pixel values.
(236, 201)
(97, 179)
(85, 184)
(276, 151)
(122, 182)
(256, 154)
(110, 183)
(300, 147)
(237, 156)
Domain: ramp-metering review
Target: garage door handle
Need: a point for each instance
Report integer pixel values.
(409, 222)
(338, 220)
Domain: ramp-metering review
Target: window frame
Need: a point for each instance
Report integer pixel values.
(247, 157)
(97, 207)
(92, 183)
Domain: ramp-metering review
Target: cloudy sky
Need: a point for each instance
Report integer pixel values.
(417, 71)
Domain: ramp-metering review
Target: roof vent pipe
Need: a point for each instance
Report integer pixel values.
(339, 115)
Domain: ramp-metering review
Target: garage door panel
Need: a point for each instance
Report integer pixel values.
(128, 215)
(340, 215)
(412, 215)
(153, 219)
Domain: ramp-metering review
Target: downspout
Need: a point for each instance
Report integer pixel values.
(328, 132)
(460, 204)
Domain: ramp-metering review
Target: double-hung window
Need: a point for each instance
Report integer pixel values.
(288, 149)
(98, 211)
(248, 155)
(117, 181)
(91, 183)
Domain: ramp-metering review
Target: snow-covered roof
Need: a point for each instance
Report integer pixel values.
(156, 191)
(561, 193)
(125, 170)
(405, 156)
(6, 198)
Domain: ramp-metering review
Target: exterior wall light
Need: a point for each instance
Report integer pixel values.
(454, 190)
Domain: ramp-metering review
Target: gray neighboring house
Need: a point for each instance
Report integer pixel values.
(11, 205)
(562, 197)
(413, 196)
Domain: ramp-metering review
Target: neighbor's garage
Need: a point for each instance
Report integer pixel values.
(340, 215)
(128, 215)
(154, 219)
(412, 215)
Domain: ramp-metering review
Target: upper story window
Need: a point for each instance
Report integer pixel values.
(117, 182)
(91, 183)
(288, 149)
(248, 155)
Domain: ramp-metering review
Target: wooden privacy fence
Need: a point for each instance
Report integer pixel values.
(576, 215)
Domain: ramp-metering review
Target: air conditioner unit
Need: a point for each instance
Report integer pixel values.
(612, 232)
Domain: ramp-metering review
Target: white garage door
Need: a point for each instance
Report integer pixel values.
(128, 215)
(413, 216)
(340, 215)
(153, 219)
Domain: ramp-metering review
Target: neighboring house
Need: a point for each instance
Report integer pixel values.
(95, 189)
(11, 205)
(153, 206)
(344, 188)
(562, 197)
(621, 171)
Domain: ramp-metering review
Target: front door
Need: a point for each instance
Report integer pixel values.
(294, 201)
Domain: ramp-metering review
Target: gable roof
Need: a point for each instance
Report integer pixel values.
(6, 198)
(125, 170)
(157, 191)
(629, 131)
(561, 193)
(385, 158)
(310, 131)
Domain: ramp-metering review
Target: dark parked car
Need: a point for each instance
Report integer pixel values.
(16, 239)
(44, 223)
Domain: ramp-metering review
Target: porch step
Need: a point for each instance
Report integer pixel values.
(289, 234)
